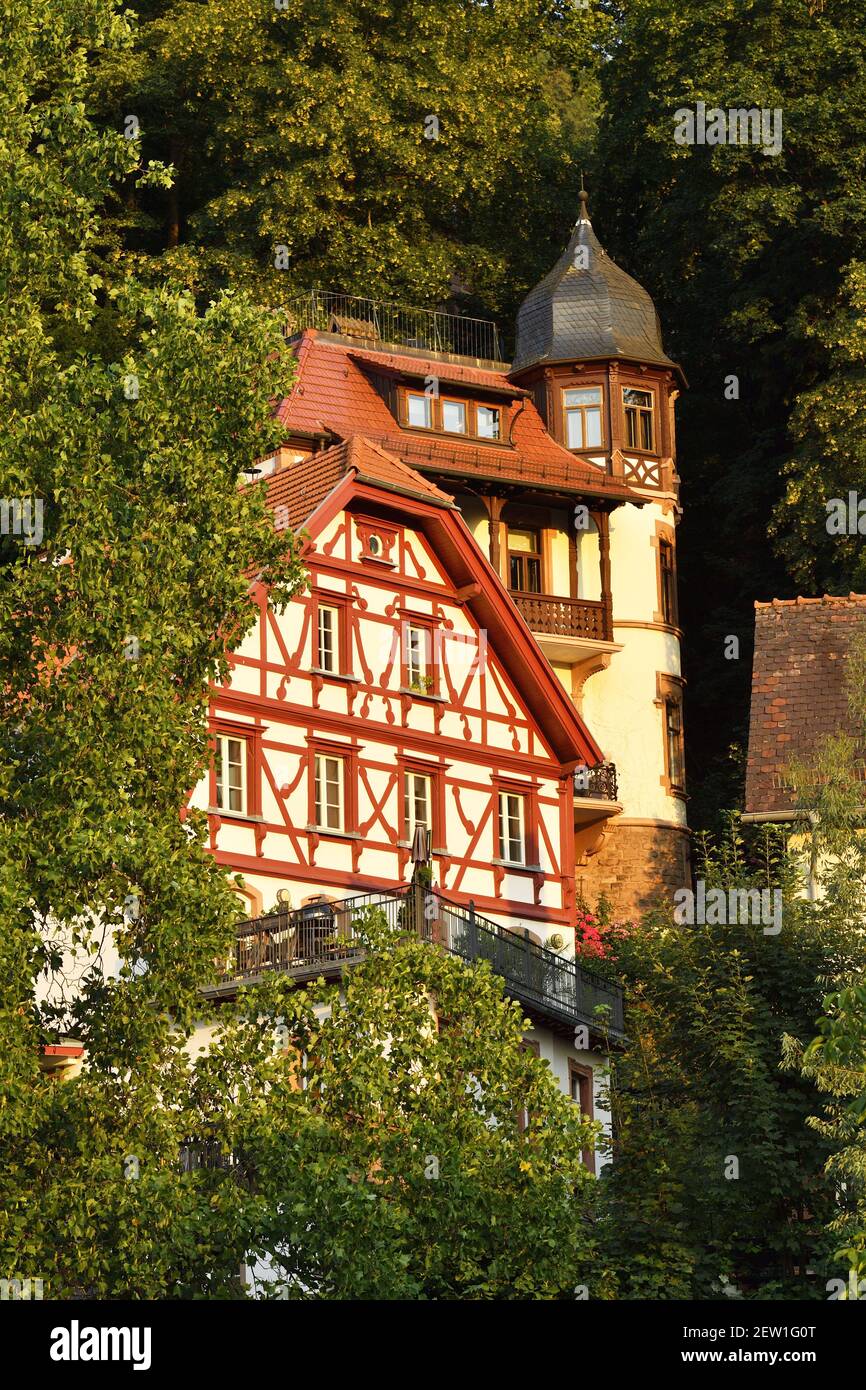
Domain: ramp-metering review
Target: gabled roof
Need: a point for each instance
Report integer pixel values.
(798, 689)
(335, 395)
(587, 308)
(303, 486)
(320, 486)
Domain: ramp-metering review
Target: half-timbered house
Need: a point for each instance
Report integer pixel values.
(402, 692)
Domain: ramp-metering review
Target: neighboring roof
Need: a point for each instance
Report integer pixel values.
(320, 486)
(334, 394)
(591, 309)
(303, 486)
(798, 689)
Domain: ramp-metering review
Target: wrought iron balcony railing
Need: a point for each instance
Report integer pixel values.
(322, 938)
(372, 321)
(596, 783)
(553, 616)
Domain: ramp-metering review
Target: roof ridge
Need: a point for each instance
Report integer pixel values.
(801, 602)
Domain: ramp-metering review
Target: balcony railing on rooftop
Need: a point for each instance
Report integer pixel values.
(323, 938)
(374, 321)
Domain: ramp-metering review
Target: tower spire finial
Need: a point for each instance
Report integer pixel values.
(584, 215)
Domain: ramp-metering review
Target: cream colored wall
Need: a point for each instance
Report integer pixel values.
(557, 1052)
(620, 704)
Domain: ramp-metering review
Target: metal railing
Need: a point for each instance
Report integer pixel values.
(375, 321)
(554, 616)
(322, 938)
(598, 783)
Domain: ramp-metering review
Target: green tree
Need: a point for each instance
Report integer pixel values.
(718, 1181)
(412, 149)
(746, 257)
(130, 562)
(404, 1145)
(829, 785)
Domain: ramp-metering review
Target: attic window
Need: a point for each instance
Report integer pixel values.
(454, 417)
(419, 410)
(488, 422)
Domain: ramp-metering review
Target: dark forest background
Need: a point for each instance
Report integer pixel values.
(304, 124)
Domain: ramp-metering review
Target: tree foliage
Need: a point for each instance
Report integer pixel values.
(411, 149)
(718, 1181)
(115, 610)
(752, 260)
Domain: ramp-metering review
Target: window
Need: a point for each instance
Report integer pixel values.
(329, 775)
(512, 828)
(583, 418)
(667, 567)
(487, 422)
(674, 739)
(417, 803)
(231, 769)
(580, 1086)
(419, 411)
(417, 645)
(329, 647)
(524, 560)
(454, 417)
(638, 418)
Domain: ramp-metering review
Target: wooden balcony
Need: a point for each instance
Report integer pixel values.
(322, 939)
(553, 616)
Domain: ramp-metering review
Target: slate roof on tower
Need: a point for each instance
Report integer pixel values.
(587, 308)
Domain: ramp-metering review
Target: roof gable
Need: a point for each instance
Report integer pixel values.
(458, 556)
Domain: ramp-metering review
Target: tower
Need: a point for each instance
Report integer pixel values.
(589, 349)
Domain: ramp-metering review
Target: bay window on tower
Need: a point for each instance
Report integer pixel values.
(639, 431)
(582, 408)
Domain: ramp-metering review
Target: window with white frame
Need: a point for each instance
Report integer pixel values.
(583, 417)
(487, 422)
(512, 827)
(454, 417)
(330, 791)
(231, 773)
(419, 410)
(328, 655)
(418, 673)
(417, 803)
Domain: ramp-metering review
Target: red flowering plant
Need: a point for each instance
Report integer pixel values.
(595, 935)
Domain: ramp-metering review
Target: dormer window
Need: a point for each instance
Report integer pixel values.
(583, 417)
(454, 416)
(488, 422)
(638, 407)
(419, 410)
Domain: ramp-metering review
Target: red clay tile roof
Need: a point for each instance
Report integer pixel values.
(304, 485)
(334, 394)
(798, 693)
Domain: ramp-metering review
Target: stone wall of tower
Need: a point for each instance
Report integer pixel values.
(638, 867)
